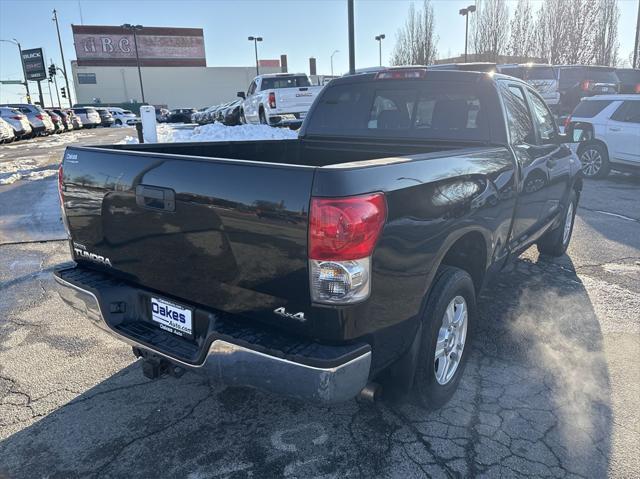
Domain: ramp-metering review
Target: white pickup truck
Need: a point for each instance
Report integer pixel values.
(278, 99)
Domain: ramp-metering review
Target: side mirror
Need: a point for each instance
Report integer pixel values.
(241, 94)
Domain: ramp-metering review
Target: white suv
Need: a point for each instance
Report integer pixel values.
(123, 117)
(608, 127)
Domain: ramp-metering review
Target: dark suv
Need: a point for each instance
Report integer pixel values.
(180, 115)
(629, 79)
(577, 81)
(106, 118)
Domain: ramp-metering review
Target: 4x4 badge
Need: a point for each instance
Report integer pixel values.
(283, 312)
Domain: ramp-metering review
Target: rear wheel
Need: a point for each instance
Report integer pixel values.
(118, 122)
(556, 241)
(447, 329)
(595, 161)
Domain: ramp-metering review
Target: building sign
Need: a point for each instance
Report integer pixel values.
(33, 61)
(87, 78)
(269, 63)
(157, 46)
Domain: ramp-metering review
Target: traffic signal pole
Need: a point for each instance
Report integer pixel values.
(64, 65)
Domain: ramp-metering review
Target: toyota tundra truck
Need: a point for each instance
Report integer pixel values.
(278, 99)
(319, 266)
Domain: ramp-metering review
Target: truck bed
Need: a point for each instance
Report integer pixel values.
(224, 225)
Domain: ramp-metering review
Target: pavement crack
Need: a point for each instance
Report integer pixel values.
(101, 469)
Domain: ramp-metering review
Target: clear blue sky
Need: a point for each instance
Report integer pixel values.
(299, 28)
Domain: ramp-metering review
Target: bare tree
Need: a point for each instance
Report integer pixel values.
(566, 31)
(490, 28)
(607, 33)
(522, 39)
(416, 42)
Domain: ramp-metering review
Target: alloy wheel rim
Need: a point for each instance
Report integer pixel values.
(451, 340)
(567, 224)
(591, 162)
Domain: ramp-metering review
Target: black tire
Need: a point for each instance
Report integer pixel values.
(118, 122)
(449, 284)
(263, 118)
(594, 159)
(554, 242)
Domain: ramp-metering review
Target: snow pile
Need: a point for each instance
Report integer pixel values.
(27, 175)
(219, 132)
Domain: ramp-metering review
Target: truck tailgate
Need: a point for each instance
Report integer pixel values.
(294, 100)
(225, 234)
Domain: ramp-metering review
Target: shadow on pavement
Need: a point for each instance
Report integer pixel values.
(534, 400)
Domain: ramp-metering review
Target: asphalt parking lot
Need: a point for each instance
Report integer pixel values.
(551, 389)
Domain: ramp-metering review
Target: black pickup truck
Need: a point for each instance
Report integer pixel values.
(318, 266)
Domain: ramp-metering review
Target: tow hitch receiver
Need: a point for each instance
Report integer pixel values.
(154, 366)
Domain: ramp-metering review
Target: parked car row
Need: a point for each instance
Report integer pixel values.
(24, 120)
(226, 113)
(562, 86)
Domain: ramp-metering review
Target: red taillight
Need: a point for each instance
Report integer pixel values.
(272, 100)
(567, 120)
(585, 85)
(345, 228)
(40, 116)
(60, 177)
(637, 88)
(401, 74)
(17, 117)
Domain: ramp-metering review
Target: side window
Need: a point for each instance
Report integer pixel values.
(628, 112)
(543, 118)
(252, 88)
(518, 116)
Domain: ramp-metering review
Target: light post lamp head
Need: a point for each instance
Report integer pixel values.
(471, 8)
(380, 37)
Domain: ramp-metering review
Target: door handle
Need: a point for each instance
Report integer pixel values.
(156, 198)
(614, 128)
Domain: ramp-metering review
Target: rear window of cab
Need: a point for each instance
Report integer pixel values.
(437, 110)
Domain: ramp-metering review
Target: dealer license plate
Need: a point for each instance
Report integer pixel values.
(171, 317)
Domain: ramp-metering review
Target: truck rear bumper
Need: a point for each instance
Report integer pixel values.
(344, 374)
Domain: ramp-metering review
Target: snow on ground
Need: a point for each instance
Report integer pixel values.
(218, 132)
(34, 168)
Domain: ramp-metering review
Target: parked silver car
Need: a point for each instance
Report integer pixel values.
(39, 120)
(6, 132)
(89, 116)
(18, 121)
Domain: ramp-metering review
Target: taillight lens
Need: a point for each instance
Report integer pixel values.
(17, 117)
(39, 116)
(342, 235)
(60, 177)
(637, 88)
(345, 228)
(272, 100)
(585, 85)
(61, 196)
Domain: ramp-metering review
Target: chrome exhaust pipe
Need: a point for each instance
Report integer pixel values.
(370, 393)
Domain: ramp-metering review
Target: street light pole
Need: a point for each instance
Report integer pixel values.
(134, 28)
(636, 45)
(352, 41)
(64, 65)
(24, 73)
(334, 52)
(465, 13)
(255, 41)
(380, 38)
